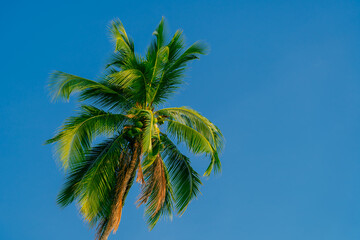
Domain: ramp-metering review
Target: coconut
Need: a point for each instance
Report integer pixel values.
(139, 124)
(131, 132)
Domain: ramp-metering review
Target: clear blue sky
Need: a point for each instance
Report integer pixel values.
(282, 81)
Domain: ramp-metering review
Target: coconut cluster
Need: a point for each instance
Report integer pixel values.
(134, 130)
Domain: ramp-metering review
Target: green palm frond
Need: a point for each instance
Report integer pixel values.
(196, 142)
(175, 68)
(157, 42)
(63, 85)
(159, 65)
(119, 36)
(195, 120)
(193, 139)
(176, 45)
(160, 33)
(126, 78)
(185, 180)
(117, 60)
(92, 180)
(111, 98)
(149, 131)
(97, 184)
(77, 133)
(215, 164)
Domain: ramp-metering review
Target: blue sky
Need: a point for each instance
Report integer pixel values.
(282, 82)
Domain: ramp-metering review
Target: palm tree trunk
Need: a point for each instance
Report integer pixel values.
(122, 184)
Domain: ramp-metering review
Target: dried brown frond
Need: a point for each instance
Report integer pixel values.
(119, 205)
(155, 186)
(121, 185)
(106, 226)
(140, 176)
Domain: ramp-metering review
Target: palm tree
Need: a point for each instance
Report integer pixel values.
(136, 138)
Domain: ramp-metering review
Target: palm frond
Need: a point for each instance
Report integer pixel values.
(184, 179)
(62, 85)
(117, 60)
(77, 133)
(92, 180)
(112, 97)
(195, 120)
(96, 186)
(106, 222)
(160, 33)
(176, 66)
(126, 78)
(123, 185)
(196, 142)
(132, 77)
(149, 131)
(157, 192)
(159, 65)
(119, 36)
(176, 45)
(215, 164)
(158, 42)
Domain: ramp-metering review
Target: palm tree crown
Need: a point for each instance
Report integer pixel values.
(122, 107)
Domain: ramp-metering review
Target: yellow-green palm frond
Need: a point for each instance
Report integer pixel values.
(197, 132)
(195, 120)
(92, 180)
(63, 85)
(149, 132)
(196, 142)
(119, 36)
(77, 133)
